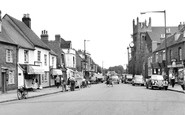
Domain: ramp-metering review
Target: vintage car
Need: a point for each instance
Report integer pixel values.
(115, 79)
(157, 81)
(128, 78)
(138, 80)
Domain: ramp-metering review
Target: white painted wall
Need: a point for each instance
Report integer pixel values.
(43, 52)
(55, 60)
(69, 54)
(21, 56)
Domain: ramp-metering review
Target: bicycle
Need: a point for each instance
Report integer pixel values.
(22, 93)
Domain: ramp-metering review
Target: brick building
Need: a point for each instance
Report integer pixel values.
(146, 39)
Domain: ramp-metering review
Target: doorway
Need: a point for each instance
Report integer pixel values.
(4, 83)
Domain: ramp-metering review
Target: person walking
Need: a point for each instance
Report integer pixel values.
(57, 79)
(182, 82)
(62, 84)
(173, 80)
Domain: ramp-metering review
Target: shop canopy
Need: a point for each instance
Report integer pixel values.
(56, 72)
(35, 70)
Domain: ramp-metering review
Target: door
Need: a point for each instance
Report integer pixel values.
(4, 83)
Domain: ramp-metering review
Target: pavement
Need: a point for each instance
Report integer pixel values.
(12, 95)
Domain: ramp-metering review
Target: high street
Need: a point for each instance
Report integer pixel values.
(122, 99)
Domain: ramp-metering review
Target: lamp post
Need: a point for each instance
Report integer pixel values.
(85, 57)
(131, 45)
(165, 35)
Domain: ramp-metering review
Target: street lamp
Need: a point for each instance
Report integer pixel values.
(85, 57)
(165, 34)
(131, 45)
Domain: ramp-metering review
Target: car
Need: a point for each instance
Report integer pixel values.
(138, 80)
(115, 79)
(157, 81)
(128, 78)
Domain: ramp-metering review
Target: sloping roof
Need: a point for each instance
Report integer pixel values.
(171, 41)
(29, 34)
(65, 44)
(15, 35)
(55, 47)
(156, 32)
(4, 37)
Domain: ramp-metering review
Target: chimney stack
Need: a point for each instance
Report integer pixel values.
(27, 20)
(44, 36)
(57, 38)
(0, 22)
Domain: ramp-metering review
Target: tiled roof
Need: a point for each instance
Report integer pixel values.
(36, 41)
(55, 47)
(4, 37)
(65, 44)
(15, 35)
(171, 41)
(156, 32)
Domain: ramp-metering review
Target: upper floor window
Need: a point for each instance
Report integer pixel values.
(45, 59)
(156, 57)
(26, 59)
(52, 61)
(9, 56)
(39, 56)
(164, 55)
(180, 53)
(171, 54)
(73, 60)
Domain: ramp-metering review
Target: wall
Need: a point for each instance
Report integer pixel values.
(9, 66)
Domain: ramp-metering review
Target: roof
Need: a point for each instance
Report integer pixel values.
(4, 37)
(36, 41)
(172, 40)
(55, 47)
(65, 44)
(14, 35)
(156, 32)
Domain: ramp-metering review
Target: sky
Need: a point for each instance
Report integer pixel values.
(107, 24)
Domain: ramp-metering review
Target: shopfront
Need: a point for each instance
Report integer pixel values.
(54, 74)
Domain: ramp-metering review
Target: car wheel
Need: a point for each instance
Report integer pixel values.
(152, 87)
(166, 87)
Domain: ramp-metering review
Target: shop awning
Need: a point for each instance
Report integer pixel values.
(56, 72)
(35, 70)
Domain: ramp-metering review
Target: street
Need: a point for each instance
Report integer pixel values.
(122, 99)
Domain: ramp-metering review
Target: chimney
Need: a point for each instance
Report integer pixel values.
(57, 38)
(27, 20)
(0, 22)
(44, 36)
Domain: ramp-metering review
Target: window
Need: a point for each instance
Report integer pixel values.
(45, 59)
(156, 57)
(11, 77)
(73, 60)
(9, 56)
(26, 59)
(171, 54)
(39, 56)
(52, 61)
(164, 55)
(180, 53)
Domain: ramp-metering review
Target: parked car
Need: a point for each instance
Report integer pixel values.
(128, 78)
(157, 81)
(115, 79)
(138, 80)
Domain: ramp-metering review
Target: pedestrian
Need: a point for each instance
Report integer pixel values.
(57, 79)
(62, 83)
(173, 80)
(182, 82)
(72, 82)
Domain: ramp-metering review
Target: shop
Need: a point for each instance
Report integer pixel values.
(54, 74)
(31, 76)
(176, 69)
